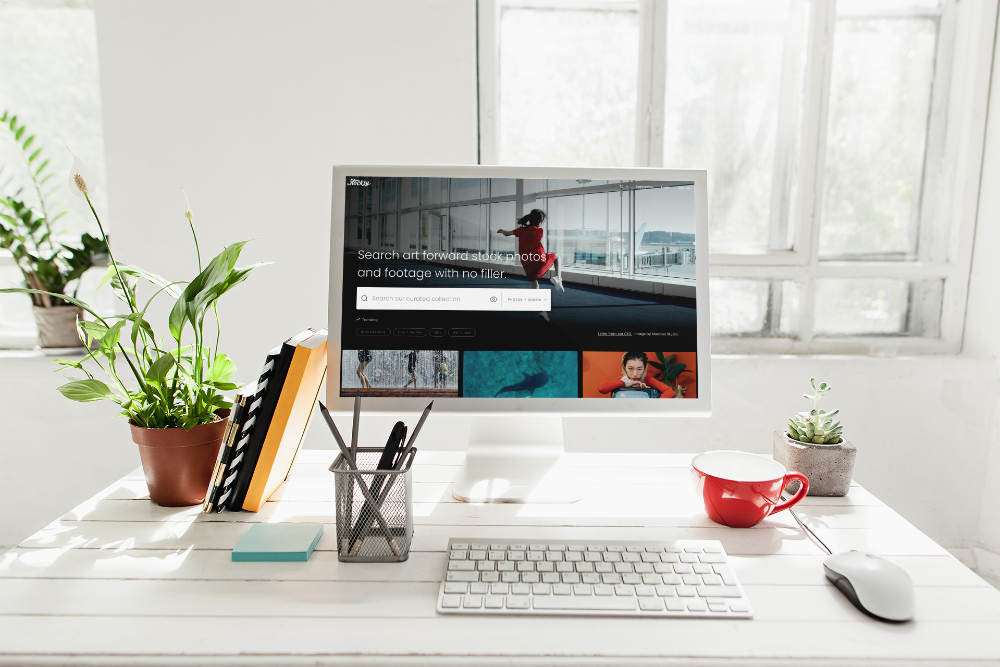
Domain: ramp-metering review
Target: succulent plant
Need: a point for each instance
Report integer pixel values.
(817, 426)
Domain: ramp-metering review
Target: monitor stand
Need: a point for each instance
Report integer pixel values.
(517, 459)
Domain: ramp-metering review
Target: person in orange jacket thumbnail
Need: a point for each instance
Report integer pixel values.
(634, 366)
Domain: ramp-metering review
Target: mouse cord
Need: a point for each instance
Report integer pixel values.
(808, 530)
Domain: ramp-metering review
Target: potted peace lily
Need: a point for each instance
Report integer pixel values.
(813, 444)
(171, 389)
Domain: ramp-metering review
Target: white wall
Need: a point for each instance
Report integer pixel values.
(248, 106)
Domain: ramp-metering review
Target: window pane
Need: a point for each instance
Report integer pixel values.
(568, 85)
(502, 217)
(664, 231)
(874, 306)
(467, 189)
(879, 103)
(753, 307)
(733, 97)
(465, 228)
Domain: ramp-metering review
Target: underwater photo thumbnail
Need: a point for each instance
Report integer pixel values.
(519, 374)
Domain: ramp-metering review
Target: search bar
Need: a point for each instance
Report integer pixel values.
(452, 298)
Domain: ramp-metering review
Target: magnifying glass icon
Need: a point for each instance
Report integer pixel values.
(364, 297)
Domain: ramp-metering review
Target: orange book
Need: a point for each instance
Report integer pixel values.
(291, 419)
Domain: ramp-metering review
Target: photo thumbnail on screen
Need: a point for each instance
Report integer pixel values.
(639, 375)
(498, 265)
(399, 373)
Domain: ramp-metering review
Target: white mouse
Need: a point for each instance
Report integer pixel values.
(874, 585)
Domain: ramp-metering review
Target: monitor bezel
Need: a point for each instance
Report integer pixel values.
(695, 407)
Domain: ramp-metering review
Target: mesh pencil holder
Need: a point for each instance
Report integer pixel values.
(374, 524)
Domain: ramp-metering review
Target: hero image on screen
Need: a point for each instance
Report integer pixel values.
(526, 283)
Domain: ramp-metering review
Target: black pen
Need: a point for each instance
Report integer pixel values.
(413, 438)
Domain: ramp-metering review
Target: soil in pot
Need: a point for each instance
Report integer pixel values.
(178, 464)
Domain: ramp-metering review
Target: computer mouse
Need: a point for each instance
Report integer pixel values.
(874, 585)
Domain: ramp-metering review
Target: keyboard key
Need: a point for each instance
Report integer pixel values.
(484, 565)
(477, 555)
(681, 568)
(517, 556)
(498, 555)
(537, 547)
(670, 558)
(689, 558)
(562, 589)
(458, 555)
(474, 601)
(673, 550)
(686, 591)
(584, 567)
(700, 568)
(612, 557)
(494, 602)
(525, 566)
(611, 579)
(551, 577)
(623, 568)
(712, 580)
(617, 548)
(510, 577)
(591, 578)
(697, 605)
(739, 607)
(631, 579)
(596, 603)
(604, 567)
(536, 555)
(603, 589)
(675, 605)
(479, 588)
(488, 577)
(651, 579)
(544, 566)
(624, 589)
(650, 604)
(672, 579)
(461, 566)
(713, 550)
(521, 602)
(718, 606)
(462, 576)
(718, 591)
(564, 567)
(530, 577)
(557, 547)
(459, 546)
(665, 591)
(692, 580)
(505, 566)
(571, 578)
(479, 546)
(644, 591)
(642, 568)
(456, 588)
(583, 589)
(650, 558)
(692, 550)
(520, 589)
(576, 547)
(592, 557)
(498, 546)
(595, 547)
(451, 601)
(631, 557)
(712, 558)
(499, 589)
(541, 589)
(518, 547)
(553, 555)
(574, 556)
(663, 568)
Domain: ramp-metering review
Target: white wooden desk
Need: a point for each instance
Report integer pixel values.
(121, 581)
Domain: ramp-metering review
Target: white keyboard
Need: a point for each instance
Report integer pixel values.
(677, 579)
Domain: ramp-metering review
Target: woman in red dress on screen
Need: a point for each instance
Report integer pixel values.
(534, 259)
(634, 365)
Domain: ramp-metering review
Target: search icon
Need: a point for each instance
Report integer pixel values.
(364, 297)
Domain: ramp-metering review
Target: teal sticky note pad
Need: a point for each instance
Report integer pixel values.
(278, 542)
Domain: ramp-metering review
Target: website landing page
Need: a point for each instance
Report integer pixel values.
(523, 288)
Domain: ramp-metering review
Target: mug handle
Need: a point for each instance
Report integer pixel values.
(799, 495)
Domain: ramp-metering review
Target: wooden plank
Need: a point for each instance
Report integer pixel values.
(409, 599)
(215, 564)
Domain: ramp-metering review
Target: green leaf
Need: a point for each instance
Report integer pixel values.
(158, 370)
(86, 391)
(34, 155)
(42, 166)
(27, 142)
(221, 370)
(110, 339)
(170, 287)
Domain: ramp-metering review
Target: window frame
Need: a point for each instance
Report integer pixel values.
(953, 155)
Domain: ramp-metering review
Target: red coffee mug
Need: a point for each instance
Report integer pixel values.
(741, 489)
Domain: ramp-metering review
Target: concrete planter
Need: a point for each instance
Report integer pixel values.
(57, 326)
(828, 467)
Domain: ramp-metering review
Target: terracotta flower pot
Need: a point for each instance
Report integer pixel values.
(178, 464)
(57, 326)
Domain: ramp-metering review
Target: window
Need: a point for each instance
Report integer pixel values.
(842, 139)
(49, 78)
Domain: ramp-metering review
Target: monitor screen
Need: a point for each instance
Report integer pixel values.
(509, 287)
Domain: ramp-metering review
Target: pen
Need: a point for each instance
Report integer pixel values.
(413, 438)
(357, 423)
(336, 436)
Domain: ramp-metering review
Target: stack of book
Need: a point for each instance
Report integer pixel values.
(267, 425)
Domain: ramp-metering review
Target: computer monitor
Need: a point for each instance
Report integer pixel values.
(519, 295)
